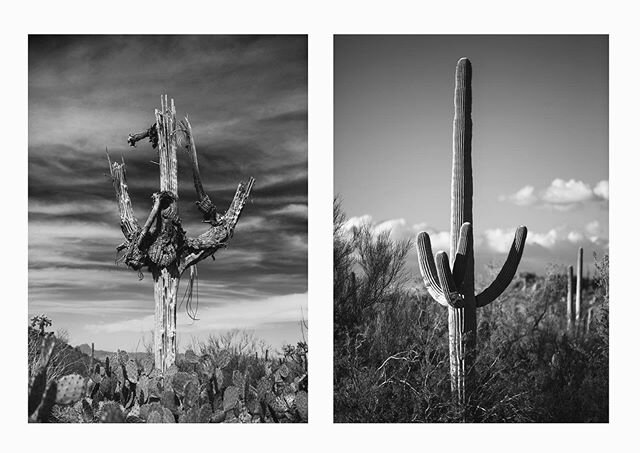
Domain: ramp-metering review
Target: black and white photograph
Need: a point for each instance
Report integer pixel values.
(167, 229)
(471, 229)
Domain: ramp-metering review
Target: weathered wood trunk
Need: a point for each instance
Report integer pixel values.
(165, 340)
(165, 280)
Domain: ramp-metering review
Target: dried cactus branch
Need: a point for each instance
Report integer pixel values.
(219, 234)
(204, 203)
(151, 223)
(504, 277)
(128, 222)
(152, 133)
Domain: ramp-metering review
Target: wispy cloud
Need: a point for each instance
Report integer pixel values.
(224, 315)
(246, 97)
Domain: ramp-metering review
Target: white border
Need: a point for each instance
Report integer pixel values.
(320, 20)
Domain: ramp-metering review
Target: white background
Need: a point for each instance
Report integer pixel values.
(320, 21)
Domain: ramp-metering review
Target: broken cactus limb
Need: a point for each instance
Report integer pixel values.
(152, 133)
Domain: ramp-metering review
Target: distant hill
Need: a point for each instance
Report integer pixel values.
(100, 354)
(75, 360)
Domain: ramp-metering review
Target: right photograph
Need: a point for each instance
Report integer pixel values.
(471, 229)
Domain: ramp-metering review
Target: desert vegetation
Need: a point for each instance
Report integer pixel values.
(228, 378)
(391, 345)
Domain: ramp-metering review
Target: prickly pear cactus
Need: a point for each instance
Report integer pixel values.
(212, 388)
(70, 389)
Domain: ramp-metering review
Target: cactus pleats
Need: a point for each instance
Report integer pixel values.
(504, 277)
(452, 284)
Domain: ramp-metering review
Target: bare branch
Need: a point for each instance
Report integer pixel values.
(204, 203)
(220, 232)
(128, 222)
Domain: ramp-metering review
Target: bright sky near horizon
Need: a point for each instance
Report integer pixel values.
(246, 98)
(540, 140)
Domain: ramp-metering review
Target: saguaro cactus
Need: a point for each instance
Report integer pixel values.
(455, 288)
(570, 311)
(161, 244)
(578, 310)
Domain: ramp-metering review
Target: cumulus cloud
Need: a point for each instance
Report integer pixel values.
(575, 237)
(593, 228)
(399, 229)
(567, 192)
(523, 197)
(560, 194)
(499, 240)
(556, 245)
(602, 190)
(357, 222)
(496, 240)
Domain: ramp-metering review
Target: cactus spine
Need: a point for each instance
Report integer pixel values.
(570, 312)
(455, 288)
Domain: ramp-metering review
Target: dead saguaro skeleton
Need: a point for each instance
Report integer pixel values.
(161, 244)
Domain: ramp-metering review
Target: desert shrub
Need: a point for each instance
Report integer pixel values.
(391, 358)
(64, 358)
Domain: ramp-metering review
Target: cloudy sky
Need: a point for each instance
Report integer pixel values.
(540, 140)
(246, 98)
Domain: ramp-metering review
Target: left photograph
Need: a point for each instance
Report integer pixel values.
(167, 229)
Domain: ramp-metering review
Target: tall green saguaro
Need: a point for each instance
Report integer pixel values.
(451, 281)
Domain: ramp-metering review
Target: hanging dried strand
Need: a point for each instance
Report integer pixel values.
(187, 297)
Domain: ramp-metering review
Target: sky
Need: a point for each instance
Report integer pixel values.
(539, 151)
(246, 98)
